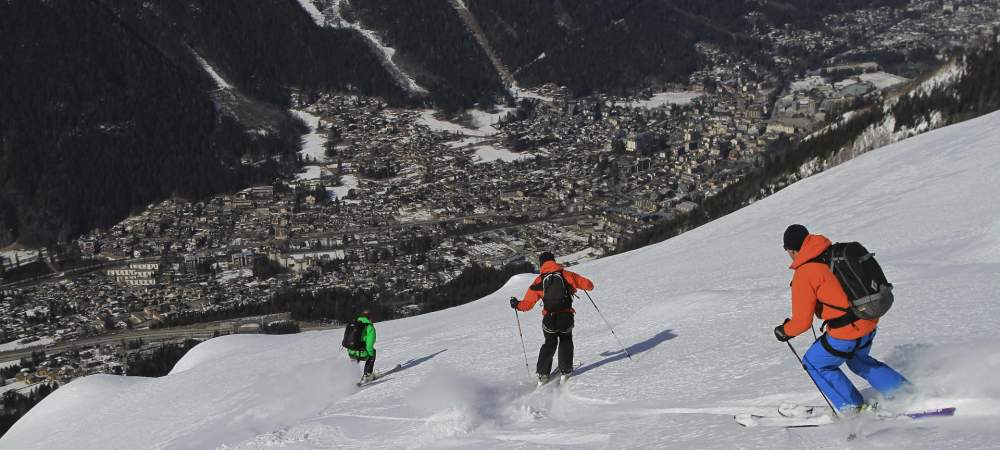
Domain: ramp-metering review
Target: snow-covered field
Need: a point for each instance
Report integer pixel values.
(17, 345)
(663, 99)
(809, 83)
(313, 144)
(696, 313)
(481, 126)
(347, 182)
(883, 80)
(490, 153)
(19, 257)
(519, 92)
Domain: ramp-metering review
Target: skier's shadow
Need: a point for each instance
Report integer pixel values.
(406, 365)
(634, 349)
(417, 361)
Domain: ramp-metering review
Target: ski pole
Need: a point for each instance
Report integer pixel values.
(523, 348)
(802, 363)
(609, 325)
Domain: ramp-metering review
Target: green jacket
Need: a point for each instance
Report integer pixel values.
(369, 339)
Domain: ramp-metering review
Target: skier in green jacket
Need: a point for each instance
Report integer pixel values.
(367, 353)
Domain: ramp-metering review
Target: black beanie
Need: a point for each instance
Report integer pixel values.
(546, 256)
(794, 236)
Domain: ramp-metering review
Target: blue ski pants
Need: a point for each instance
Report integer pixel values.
(824, 367)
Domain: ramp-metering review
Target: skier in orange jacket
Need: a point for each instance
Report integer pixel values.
(555, 287)
(814, 290)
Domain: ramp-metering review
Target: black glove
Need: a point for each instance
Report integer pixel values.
(514, 302)
(779, 332)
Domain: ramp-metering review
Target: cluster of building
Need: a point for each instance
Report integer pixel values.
(936, 25)
(63, 366)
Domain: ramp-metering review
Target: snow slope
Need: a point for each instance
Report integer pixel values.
(696, 312)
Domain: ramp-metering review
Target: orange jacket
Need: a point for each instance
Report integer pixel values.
(534, 294)
(813, 283)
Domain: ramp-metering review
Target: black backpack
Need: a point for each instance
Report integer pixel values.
(354, 335)
(861, 277)
(555, 292)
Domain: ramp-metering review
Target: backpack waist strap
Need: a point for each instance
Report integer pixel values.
(841, 354)
(837, 322)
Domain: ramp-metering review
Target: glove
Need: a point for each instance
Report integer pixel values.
(779, 332)
(514, 302)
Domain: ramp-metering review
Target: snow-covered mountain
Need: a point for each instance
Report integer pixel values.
(696, 312)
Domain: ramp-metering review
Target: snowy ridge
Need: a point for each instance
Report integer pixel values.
(696, 313)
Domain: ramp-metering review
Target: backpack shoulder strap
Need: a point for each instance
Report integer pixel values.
(822, 258)
(826, 258)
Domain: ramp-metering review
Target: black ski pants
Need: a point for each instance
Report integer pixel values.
(558, 331)
(369, 363)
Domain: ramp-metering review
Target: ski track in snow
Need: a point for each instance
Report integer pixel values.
(696, 313)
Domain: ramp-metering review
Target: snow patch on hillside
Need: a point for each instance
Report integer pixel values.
(313, 12)
(219, 81)
(332, 17)
(314, 142)
(313, 146)
(944, 77)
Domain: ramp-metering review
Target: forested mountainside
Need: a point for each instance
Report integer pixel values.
(436, 48)
(588, 45)
(104, 106)
(107, 105)
(270, 45)
(613, 45)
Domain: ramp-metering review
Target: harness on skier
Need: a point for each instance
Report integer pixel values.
(858, 346)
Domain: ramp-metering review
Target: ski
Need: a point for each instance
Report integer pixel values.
(379, 374)
(816, 420)
(756, 420)
(940, 412)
